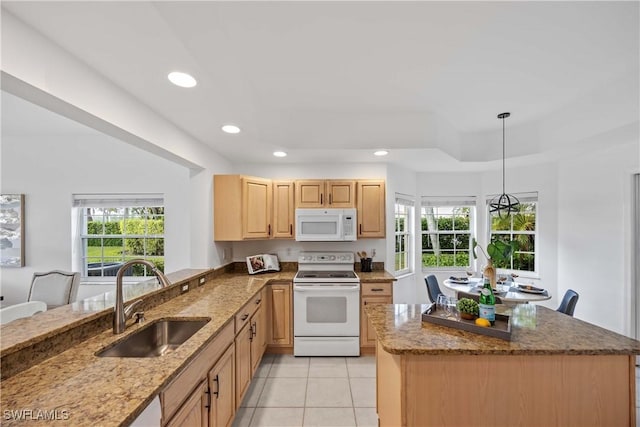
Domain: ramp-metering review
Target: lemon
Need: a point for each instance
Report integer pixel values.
(482, 322)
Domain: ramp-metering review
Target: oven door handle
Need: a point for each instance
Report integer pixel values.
(304, 288)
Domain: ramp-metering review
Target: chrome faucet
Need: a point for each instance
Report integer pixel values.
(122, 314)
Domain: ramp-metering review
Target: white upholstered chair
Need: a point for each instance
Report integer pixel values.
(18, 311)
(55, 287)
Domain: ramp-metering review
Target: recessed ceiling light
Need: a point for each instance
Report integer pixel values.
(381, 153)
(230, 129)
(280, 154)
(181, 79)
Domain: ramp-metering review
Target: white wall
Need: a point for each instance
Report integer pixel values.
(49, 169)
(594, 229)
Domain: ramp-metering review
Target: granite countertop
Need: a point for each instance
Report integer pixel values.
(111, 391)
(543, 331)
(375, 276)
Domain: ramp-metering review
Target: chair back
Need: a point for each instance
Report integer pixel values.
(55, 287)
(433, 288)
(18, 311)
(569, 301)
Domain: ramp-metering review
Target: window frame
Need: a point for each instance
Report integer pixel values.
(450, 202)
(408, 202)
(528, 198)
(124, 202)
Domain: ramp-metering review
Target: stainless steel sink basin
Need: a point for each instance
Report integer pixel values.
(155, 339)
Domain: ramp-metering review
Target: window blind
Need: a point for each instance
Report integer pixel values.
(448, 201)
(117, 200)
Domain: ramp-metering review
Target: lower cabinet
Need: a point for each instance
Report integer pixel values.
(372, 293)
(243, 363)
(221, 396)
(193, 412)
(203, 394)
(280, 315)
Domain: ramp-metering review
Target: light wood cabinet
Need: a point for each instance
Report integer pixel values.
(221, 396)
(372, 293)
(371, 209)
(185, 401)
(325, 194)
(193, 412)
(283, 210)
(280, 315)
(242, 207)
(250, 343)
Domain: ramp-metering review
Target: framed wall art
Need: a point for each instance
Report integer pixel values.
(12, 230)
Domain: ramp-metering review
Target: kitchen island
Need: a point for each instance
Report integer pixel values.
(555, 371)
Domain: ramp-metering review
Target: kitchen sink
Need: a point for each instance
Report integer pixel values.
(155, 339)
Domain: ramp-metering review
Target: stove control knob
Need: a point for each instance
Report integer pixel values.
(332, 257)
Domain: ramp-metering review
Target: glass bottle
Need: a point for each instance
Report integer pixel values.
(487, 302)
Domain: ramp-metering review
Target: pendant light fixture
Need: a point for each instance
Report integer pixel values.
(504, 204)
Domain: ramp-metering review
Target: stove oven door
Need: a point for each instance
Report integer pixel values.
(326, 309)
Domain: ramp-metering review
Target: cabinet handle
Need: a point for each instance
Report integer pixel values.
(258, 301)
(330, 199)
(245, 316)
(364, 303)
(208, 392)
(291, 229)
(320, 198)
(269, 230)
(377, 289)
(217, 392)
(360, 232)
(253, 329)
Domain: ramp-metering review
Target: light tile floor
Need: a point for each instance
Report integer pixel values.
(311, 391)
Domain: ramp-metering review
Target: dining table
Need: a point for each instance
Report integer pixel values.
(510, 292)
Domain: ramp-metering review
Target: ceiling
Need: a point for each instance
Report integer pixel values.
(333, 81)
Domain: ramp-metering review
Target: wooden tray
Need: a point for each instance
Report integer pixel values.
(501, 329)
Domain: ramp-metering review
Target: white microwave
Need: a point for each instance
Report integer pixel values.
(325, 225)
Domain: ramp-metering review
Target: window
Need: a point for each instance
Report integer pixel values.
(521, 227)
(404, 211)
(447, 228)
(112, 229)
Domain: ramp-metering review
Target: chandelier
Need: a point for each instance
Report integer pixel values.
(504, 204)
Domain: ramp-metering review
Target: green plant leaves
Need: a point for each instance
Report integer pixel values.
(501, 251)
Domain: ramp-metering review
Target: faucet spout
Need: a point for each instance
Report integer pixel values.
(121, 315)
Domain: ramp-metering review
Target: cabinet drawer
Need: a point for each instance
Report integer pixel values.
(175, 393)
(243, 316)
(377, 289)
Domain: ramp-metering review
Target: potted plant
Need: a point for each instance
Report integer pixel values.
(496, 251)
(468, 308)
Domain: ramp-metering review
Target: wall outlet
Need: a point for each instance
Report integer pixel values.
(202, 280)
(185, 288)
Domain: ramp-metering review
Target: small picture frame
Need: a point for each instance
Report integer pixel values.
(12, 230)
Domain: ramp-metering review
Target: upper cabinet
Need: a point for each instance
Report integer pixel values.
(283, 210)
(325, 194)
(242, 207)
(371, 209)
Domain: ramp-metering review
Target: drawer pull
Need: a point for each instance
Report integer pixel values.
(258, 301)
(208, 392)
(217, 392)
(377, 289)
(244, 317)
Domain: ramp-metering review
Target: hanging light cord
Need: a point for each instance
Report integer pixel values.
(503, 155)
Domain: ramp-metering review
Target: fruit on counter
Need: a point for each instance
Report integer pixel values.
(480, 321)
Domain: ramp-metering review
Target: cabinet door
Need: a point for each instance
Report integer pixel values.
(283, 210)
(341, 194)
(243, 362)
(279, 304)
(222, 390)
(371, 204)
(193, 412)
(256, 208)
(310, 194)
(258, 340)
(367, 333)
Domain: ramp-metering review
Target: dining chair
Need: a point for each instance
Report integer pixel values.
(55, 287)
(433, 288)
(18, 311)
(569, 301)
